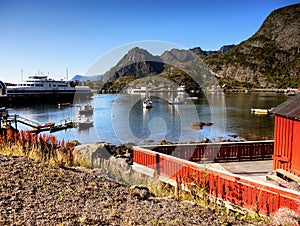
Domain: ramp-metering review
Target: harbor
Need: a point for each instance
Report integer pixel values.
(121, 118)
(15, 121)
(8, 121)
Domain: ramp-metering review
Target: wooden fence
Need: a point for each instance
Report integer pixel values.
(218, 152)
(262, 197)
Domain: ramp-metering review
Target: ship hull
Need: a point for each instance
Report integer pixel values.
(44, 98)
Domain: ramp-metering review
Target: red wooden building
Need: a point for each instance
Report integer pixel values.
(287, 136)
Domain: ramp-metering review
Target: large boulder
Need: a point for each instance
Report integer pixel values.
(92, 155)
(116, 161)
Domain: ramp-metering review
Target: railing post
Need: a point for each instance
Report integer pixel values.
(157, 165)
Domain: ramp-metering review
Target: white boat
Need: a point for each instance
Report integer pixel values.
(39, 88)
(86, 110)
(259, 111)
(177, 100)
(84, 123)
(147, 103)
(3, 89)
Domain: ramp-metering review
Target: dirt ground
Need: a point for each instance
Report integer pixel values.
(38, 194)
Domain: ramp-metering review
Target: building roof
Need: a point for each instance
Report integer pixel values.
(289, 108)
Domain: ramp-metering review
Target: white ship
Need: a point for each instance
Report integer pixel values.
(39, 88)
(3, 89)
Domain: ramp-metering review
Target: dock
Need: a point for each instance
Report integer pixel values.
(7, 120)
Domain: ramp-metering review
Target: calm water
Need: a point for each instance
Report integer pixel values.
(120, 118)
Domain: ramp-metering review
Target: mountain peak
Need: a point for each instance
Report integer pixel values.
(270, 58)
(282, 27)
(137, 62)
(137, 54)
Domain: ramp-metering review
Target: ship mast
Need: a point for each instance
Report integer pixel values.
(67, 74)
(22, 74)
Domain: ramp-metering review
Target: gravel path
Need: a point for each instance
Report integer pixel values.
(39, 194)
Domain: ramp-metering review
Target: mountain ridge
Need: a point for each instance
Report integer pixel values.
(270, 58)
(139, 62)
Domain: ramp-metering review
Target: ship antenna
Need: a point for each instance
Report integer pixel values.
(67, 74)
(22, 74)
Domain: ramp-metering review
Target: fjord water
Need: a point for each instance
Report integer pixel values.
(120, 118)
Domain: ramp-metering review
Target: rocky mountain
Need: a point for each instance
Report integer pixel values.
(140, 63)
(270, 58)
(176, 56)
(200, 52)
(181, 56)
(137, 63)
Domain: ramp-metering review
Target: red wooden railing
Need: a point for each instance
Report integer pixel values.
(217, 152)
(262, 197)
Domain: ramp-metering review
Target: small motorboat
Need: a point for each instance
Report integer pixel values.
(147, 103)
(177, 100)
(259, 111)
(84, 123)
(86, 110)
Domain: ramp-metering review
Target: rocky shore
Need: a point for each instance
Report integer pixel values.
(33, 193)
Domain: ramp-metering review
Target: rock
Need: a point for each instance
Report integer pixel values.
(118, 166)
(199, 125)
(233, 135)
(170, 197)
(188, 203)
(140, 192)
(205, 140)
(164, 142)
(92, 154)
(75, 143)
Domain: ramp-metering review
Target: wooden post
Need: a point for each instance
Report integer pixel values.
(16, 124)
(157, 165)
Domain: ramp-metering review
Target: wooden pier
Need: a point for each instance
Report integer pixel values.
(6, 120)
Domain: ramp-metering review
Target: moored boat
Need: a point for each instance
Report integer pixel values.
(86, 110)
(147, 103)
(83, 122)
(259, 111)
(177, 100)
(41, 89)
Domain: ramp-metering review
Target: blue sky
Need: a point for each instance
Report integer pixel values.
(53, 35)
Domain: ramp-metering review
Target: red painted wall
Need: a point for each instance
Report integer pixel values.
(295, 166)
(287, 145)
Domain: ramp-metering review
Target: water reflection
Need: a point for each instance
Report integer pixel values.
(122, 118)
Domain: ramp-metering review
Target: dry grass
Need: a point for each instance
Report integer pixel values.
(44, 148)
(286, 217)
